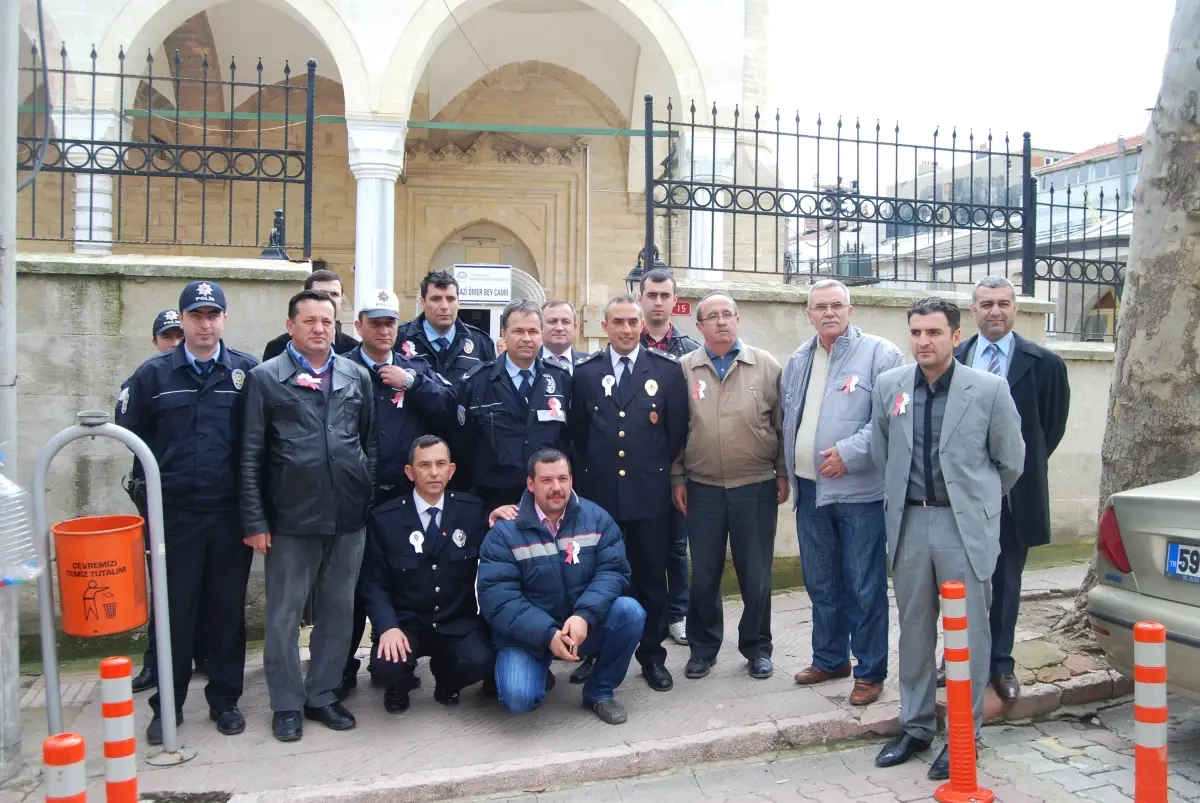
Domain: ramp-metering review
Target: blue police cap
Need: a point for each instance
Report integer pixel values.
(165, 321)
(202, 294)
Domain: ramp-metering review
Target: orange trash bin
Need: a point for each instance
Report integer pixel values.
(101, 574)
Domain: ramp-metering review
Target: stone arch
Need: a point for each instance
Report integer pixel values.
(518, 242)
(433, 21)
(28, 27)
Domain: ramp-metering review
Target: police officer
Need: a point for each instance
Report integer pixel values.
(510, 408)
(419, 583)
(629, 420)
(452, 347)
(187, 406)
(410, 400)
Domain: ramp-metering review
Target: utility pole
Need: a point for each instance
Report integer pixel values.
(10, 662)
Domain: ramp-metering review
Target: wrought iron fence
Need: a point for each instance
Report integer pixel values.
(182, 157)
(801, 200)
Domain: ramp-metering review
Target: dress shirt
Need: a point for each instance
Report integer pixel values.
(616, 360)
(423, 509)
(565, 361)
(552, 526)
(371, 364)
(925, 480)
(983, 356)
(723, 363)
(514, 373)
(193, 359)
(306, 365)
(432, 334)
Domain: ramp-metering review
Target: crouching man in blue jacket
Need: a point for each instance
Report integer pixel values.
(550, 586)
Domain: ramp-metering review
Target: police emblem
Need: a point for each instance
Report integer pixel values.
(462, 416)
(651, 387)
(459, 538)
(171, 316)
(468, 347)
(549, 384)
(123, 400)
(239, 378)
(383, 297)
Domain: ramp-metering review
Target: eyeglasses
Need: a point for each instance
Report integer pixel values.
(719, 316)
(823, 308)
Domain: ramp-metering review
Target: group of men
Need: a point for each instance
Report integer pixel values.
(495, 513)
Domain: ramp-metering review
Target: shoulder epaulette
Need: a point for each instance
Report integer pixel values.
(589, 357)
(475, 369)
(665, 355)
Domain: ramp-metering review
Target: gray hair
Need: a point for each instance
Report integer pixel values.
(624, 298)
(993, 282)
(823, 283)
(524, 306)
(726, 296)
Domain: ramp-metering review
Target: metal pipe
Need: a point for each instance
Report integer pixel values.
(648, 144)
(1028, 219)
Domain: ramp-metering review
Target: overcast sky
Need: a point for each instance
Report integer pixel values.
(1075, 73)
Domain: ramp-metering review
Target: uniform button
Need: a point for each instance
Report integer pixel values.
(621, 434)
(622, 414)
(437, 589)
(330, 427)
(436, 608)
(435, 567)
(621, 472)
(621, 453)
(435, 624)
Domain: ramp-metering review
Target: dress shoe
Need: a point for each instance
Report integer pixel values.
(760, 668)
(489, 690)
(864, 692)
(939, 770)
(550, 681)
(899, 750)
(811, 675)
(445, 696)
(145, 680)
(395, 700)
(657, 677)
(350, 681)
(154, 731)
(697, 668)
(583, 671)
(941, 675)
(609, 711)
(229, 721)
(201, 667)
(287, 726)
(1007, 687)
(333, 716)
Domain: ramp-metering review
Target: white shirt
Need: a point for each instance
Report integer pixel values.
(547, 354)
(423, 508)
(616, 359)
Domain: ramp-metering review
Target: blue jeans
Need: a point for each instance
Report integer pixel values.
(677, 568)
(521, 675)
(843, 552)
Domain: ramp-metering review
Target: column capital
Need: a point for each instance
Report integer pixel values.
(376, 148)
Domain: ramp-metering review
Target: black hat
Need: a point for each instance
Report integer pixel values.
(165, 321)
(202, 294)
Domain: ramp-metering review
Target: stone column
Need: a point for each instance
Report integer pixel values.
(707, 253)
(93, 191)
(376, 159)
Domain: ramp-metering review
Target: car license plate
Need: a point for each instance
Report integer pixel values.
(1183, 562)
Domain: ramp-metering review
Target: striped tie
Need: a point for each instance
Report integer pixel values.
(994, 359)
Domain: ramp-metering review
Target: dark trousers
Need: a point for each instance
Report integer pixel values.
(1006, 595)
(382, 494)
(208, 567)
(647, 546)
(498, 497)
(744, 519)
(677, 568)
(150, 658)
(457, 659)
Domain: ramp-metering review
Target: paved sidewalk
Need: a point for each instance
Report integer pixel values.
(436, 752)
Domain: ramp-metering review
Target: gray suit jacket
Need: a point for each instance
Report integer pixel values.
(981, 452)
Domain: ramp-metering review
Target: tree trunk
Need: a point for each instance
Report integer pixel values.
(1153, 430)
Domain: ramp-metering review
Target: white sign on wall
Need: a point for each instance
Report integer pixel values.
(484, 284)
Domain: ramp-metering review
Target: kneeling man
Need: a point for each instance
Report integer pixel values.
(550, 586)
(418, 583)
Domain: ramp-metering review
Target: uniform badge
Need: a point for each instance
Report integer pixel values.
(123, 400)
(653, 417)
(398, 400)
(462, 416)
(851, 384)
(239, 378)
(308, 381)
(416, 538)
(572, 551)
(699, 388)
(549, 384)
(468, 347)
(901, 404)
(459, 538)
(408, 349)
(608, 382)
(651, 387)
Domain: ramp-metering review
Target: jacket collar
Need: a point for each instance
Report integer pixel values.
(179, 358)
(285, 369)
(745, 354)
(527, 518)
(847, 338)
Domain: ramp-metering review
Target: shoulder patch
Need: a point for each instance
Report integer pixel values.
(123, 400)
(663, 355)
(250, 358)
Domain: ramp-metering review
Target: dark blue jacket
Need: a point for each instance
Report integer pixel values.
(497, 433)
(527, 589)
(193, 425)
(427, 408)
(469, 348)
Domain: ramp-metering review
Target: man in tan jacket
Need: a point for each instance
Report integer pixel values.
(730, 482)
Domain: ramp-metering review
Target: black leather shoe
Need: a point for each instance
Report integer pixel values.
(229, 721)
(333, 716)
(609, 711)
(697, 668)
(899, 750)
(941, 674)
(657, 677)
(583, 671)
(201, 667)
(760, 668)
(145, 680)
(395, 700)
(349, 682)
(287, 726)
(489, 691)
(154, 730)
(445, 696)
(550, 681)
(939, 770)
(1007, 687)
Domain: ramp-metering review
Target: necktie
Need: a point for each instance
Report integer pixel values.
(526, 384)
(432, 531)
(626, 380)
(441, 343)
(993, 359)
(204, 367)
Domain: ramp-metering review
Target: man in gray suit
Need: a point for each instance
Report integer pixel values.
(948, 439)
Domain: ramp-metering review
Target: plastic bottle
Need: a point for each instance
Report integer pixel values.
(18, 551)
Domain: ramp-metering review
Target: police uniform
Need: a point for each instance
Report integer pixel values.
(498, 432)
(421, 579)
(468, 348)
(626, 434)
(191, 418)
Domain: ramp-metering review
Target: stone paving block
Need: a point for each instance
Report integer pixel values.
(1059, 728)
(1007, 793)
(1034, 701)
(1053, 674)
(1045, 765)
(1121, 684)
(1182, 786)
(1078, 664)
(598, 793)
(1003, 735)
(1038, 653)
(680, 788)
(857, 787)
(1106, 794)
(1113, 759)
(1122, 779)
(1072, 779)
(881, 718)
(1086, 764)
(1086, 688)
(1053, 749)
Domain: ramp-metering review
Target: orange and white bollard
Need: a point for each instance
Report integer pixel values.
(1150, 712)
(120, 739)
(963, 786)
(65, 776)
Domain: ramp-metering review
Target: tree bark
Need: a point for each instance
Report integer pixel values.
(1153, 429)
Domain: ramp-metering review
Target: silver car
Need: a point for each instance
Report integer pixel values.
(1148, 569)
